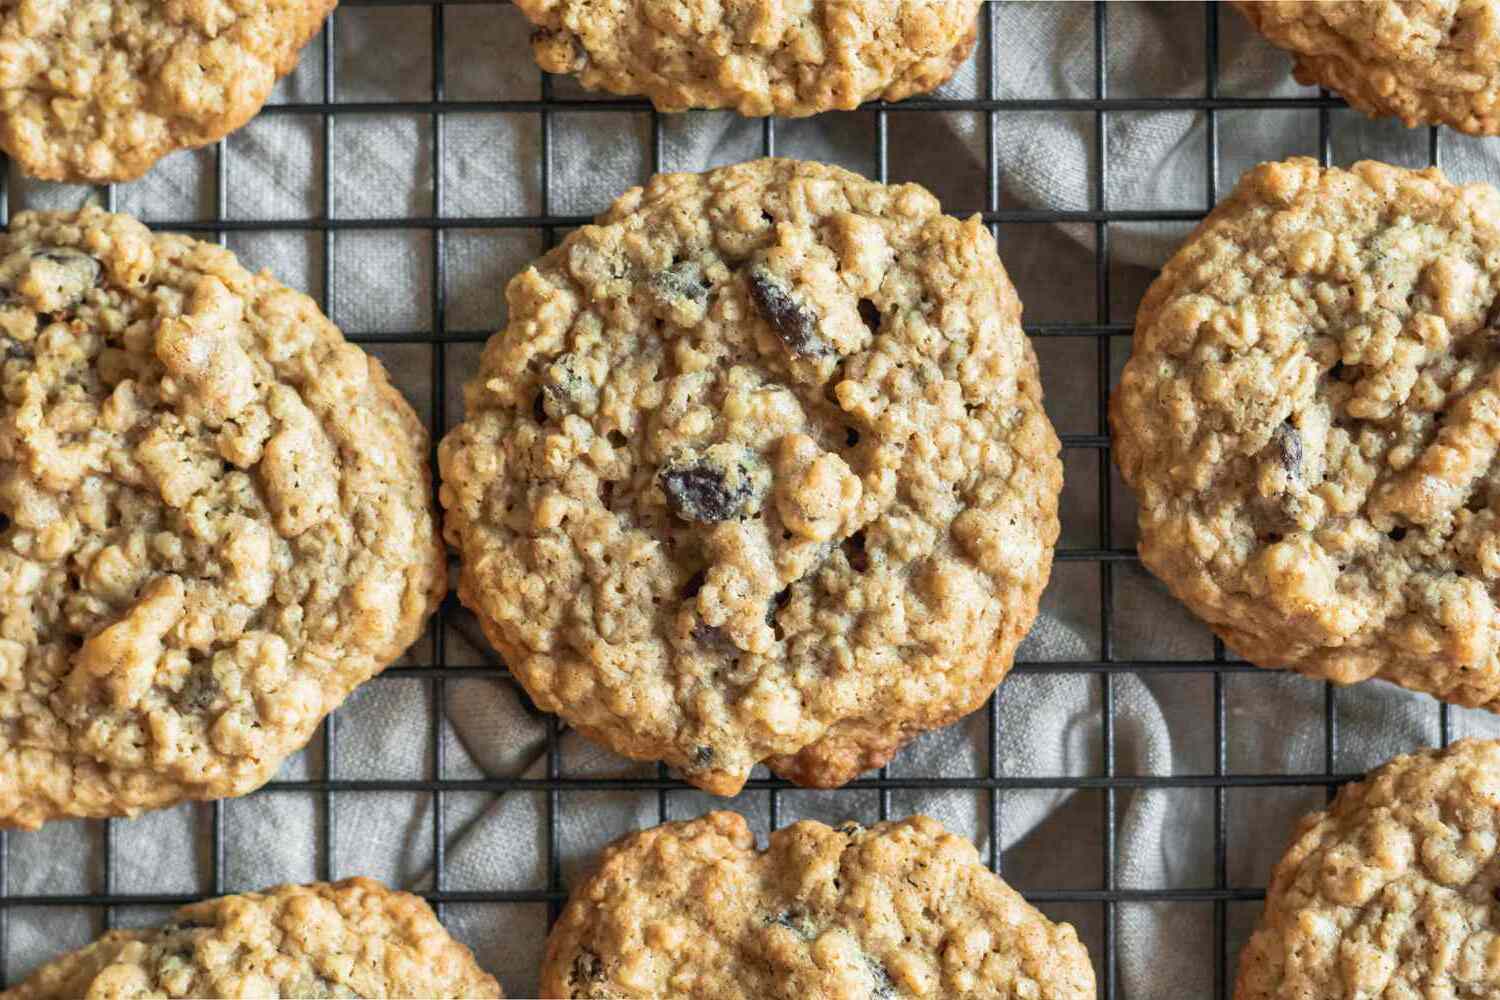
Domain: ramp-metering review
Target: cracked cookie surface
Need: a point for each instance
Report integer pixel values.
(99, 91)
(215, 520)
(1423, 61)
(1311, 418)
(354, 938)
(758, 57)
(1393, 891)
(758, 471)
(901, 909)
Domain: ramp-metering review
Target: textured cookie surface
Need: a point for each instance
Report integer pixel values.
(347, 939)
(759, 57)
(1423, 61)
(758, 471)
(1393, 892)
(215, 520)
(1311, 418)
(901, 909)
(99, 90)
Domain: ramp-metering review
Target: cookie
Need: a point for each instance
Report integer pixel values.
(215, 520)
(758, 471)
(1308, 420)
(100, 91)
(1426, 62)
(899, 909)
(354, 938)
(1392, 892)
(760, 57)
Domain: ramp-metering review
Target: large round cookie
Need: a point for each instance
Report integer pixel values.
(1423, 61)
(99, 91)
(901, 909)
(354, 938)
(215, 520)
(759, 57)
(1393, 891)
(1309, 420)
(758, 471)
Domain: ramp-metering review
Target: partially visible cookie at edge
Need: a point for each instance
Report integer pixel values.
(1423, 61)
(757, 57)
(900, 909)
(354, 938)
(758, 471)
(99, 92)
(1307, 420)
(1393, 891)
(216, 519)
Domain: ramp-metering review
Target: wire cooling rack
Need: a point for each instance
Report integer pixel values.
(1105, 332)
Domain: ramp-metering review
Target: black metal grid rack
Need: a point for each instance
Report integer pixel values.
(1106, 557)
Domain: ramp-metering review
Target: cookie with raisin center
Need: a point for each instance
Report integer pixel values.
(758, 471)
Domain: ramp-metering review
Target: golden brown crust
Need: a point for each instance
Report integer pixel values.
(1392, 892)
(1307, 422)
(94, 91)
(759, 57)
(901, 909)
(1423, 61)
(354, 938)
(215, 520)
(758, 471)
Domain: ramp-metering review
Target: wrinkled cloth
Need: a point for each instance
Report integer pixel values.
(1050, 718)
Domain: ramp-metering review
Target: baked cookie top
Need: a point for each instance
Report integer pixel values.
(1392, 892)
(758, 471)
(759, 57)
(215, 520)
(1423, 61)
(1309, 422)
(354, 938)
(99, 91)
(901, 909)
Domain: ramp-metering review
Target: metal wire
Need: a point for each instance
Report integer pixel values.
(994, 783)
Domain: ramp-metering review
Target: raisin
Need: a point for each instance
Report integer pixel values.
(794, 324)
(1396, 534)
(851, 437)
(682, 281)
(854, 551)
(1288, 443)
(539, 408)
(870, 313)
(693, 585)
(722, 484)
(777, 603)
(703, 756)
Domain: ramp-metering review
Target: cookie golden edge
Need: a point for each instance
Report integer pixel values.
(47, 165)
(424, 945)
(728, 834)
